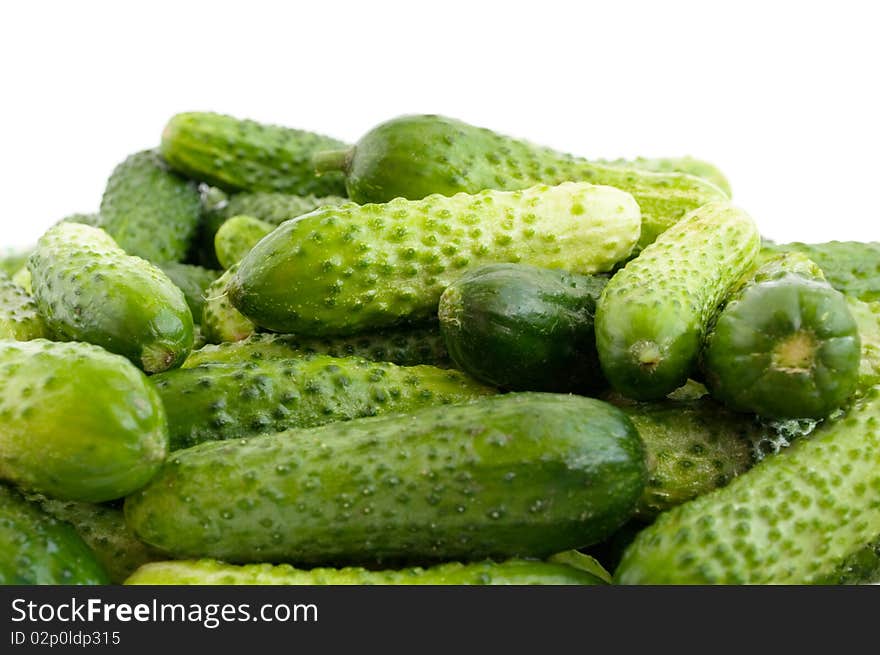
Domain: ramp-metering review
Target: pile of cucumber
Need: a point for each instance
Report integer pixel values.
(437, 356)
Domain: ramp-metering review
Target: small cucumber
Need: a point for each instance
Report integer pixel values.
(88, 289)
(229, 400)
(350, 269)
(524, 328)
(405, 347)
(519, 475)
(150, 211)
(236, 154)
(689, 165)
(221, 322)
(78, 423)
(654, 313)
(36, 549)
(193, 281)
(511, 572)
(785, 345)
(19, 318)
(237, 236)
(416, 156)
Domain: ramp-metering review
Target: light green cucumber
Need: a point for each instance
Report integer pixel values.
(12, 261)
(221, 322)
(237, 236)
(689, 165)
(19, 318)
(867, 317)
(350, 269)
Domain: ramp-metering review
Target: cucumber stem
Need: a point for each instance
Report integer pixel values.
(332, 160)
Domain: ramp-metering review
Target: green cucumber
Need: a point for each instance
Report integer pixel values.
(237, 236)
(654, 313)
(36, 549)
(150, 211)
(867, 316)
(221, 322)
(798, 517)
(12, 261)
(236, 154)
(23, 279)
(274, 208)
(405, 347)
(103, 529)
(785, 345)
(19, 318)
(524, 328)
(416, 156)
(76, 422)
(689, 165)
(93, 219)
(511, 572)
(193, 281)
(88, 289)
(519, 475)
(349, 269)
(217, 401)
(851, 267)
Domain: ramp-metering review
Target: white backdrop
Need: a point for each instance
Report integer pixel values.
(782, 96)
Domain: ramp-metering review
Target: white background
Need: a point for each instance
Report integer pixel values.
(783, 96)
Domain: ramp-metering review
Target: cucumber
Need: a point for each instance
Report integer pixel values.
(19, 319)
(78, 423)
(867, 317)
(93, 219)
(150, 211)
(653, 314)
(229, 400)
(689, 165)
(406, 347)
(88, 289)
(349, 269)
(785, 345)
(852, 267)
(511, 572)
(193, 281)
(237, 236)
(236, 154)
(36, 549)
(274, 208)
(524, 328)
(103, 529)
(12, 261)
(22, 278)
(519, 475)
(798, 517)
(221, 322)
(415, 156)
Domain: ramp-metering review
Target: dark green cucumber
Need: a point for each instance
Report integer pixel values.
(88, 289)
(524, 328)
(511, 572)
(237, 236)
(416, 156)
(150, 211)
(229, 400)
(236, 154)
(221, 322)
(520, 475)
(654, 313)
(350, 269)
(689, 165)
(852, 267)
(193, 281)
(103, 529)
(19, 318)
(785, 345)
(76, 422)
(798, 517)
(36, 549)
(405, 347)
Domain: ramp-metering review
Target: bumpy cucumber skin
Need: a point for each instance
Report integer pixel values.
(511, 572)
(244, 155)
(19, 318)
(867, 317)
(78, 423)
(36, 549)
(237, 236)
(221, 322)
(786, 302)
(851, 267)
(405, 347)
(238, 399)
(193, 281)
(349, 269)
(689, 165)
(86, 219)
(654, 313)
(103, 529)
(519, 475)
(88, 289)
(415, 156)
(524, 328)
(796, 518)
(150, 211)
(274, 208)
